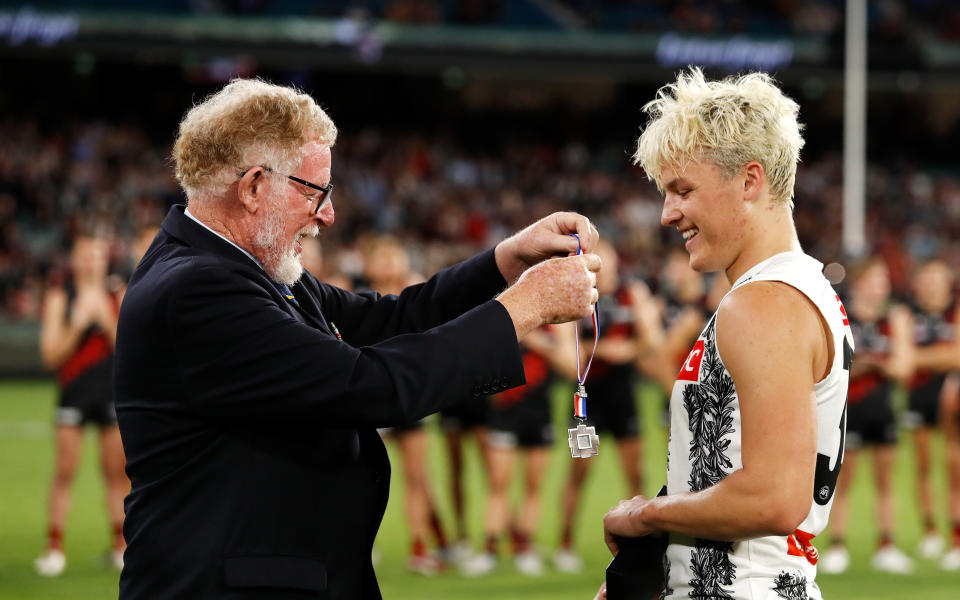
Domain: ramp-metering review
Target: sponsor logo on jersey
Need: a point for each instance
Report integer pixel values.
(690, 370)
(800, 543)
(843, 311)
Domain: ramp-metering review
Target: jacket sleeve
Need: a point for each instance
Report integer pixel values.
(368, 318)
(243, 357)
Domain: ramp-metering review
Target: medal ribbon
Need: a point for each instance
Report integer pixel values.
(580, 398)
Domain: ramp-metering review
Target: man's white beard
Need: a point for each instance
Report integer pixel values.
(280, 260)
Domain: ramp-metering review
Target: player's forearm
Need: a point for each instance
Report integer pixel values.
(616, 351)
(109, 327)
(937, 358)
(739, 507)
(57, 344)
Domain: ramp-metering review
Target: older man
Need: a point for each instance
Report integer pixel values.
(248, 393)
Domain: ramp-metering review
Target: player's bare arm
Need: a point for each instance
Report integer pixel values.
(775, 345)
(899, 364)
(940, 357)
(59, 336)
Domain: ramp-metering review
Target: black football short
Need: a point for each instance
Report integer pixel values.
(923, 408)
(871, 421)
(466, 416)
(88, 399)
(522, 424)
(612, 407)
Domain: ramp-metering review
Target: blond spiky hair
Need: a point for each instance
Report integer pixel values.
(728, 123)
(249, 122)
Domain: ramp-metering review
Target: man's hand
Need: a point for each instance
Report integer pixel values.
(554, 291)
(624, 520)
(547, 238)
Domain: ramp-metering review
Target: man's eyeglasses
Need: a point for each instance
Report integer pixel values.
(325, 192)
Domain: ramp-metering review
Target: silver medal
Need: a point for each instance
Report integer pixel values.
(584, 441)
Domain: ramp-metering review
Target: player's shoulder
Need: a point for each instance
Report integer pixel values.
(768, 310)
(176, 269)
(763, 299)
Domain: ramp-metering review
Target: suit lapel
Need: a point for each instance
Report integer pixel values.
(308, 307)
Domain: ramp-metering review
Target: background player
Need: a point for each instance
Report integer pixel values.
(77, 336)
(950, 415)
(611, 403)
(520, 425)
(387, 269)
(882, 358)
(936, 337)
(457, 423)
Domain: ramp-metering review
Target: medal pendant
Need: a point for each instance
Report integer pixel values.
(584, 441)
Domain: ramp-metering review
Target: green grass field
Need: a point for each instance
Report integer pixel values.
(26, 446)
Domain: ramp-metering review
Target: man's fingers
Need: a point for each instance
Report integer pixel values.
(589, 237)
(592, 262)
(571, 222)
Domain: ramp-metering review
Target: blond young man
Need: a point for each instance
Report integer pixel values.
(757, 411)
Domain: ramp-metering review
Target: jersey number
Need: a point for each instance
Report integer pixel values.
(825, 480)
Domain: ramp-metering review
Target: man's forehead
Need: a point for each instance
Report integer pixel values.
(316, 155)
(315, 149)
(687, 172)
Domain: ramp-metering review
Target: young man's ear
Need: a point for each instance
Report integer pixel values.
(754, 179)
(250, 189)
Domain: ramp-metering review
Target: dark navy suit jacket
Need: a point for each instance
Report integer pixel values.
(249, 428)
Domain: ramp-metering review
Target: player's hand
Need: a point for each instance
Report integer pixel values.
(602, 592)
(554, 291)
(106, 316)
(624, 520)
(85, 308)
(547, 238)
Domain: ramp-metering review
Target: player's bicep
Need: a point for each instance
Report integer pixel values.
(767, 335)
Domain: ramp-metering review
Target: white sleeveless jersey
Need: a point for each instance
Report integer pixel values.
(705, 447)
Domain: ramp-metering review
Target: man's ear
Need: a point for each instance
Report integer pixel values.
(251, 189)
(754, 180)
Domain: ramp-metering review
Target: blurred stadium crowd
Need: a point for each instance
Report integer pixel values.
(442, 199)
(891, 19)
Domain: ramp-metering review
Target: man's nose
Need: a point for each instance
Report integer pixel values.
(671, 210)
(326, 214)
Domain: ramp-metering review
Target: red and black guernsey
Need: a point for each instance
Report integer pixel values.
(521, 416)
(87, 375)
(870, 338)
(611, 405)
(931, 330)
